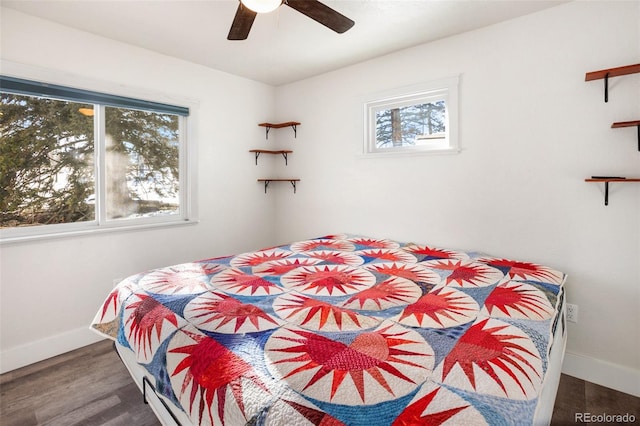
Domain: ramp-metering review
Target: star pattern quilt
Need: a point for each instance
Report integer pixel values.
(342, 330)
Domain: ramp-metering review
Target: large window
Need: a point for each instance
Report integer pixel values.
(73, 160)
(413, 120)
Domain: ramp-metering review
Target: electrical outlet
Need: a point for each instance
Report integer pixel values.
(572, 312)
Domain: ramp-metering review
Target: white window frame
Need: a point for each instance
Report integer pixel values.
(187, 171)
(444, 89)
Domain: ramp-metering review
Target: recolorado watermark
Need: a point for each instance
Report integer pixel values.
(604, 418)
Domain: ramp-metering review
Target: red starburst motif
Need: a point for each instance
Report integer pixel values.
(374, 243)
(322, 244)
(416, 413)
(315, 314)
(375, 366)
(415, 272)
(224, 314)
(180, 279)
(431, 252)
(211, 268)
(392, 292)
(237, 282)
(281, 267)
(525, 270)
(495, 358)
(205, 373)
(314, 416)
(336, 257)
(256, 258)
(328, 280)
(518, 300)
(112, 301)
(388, 255)
(466, 274)
(143, 318)
(442, 307)
(108, 318)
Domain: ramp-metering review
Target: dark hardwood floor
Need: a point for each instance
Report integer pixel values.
(90, 386)
(577, 399)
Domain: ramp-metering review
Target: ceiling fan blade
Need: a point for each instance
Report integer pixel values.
(242, 23)
(322, 13)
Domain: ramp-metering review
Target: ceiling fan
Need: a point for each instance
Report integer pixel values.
(319, 12)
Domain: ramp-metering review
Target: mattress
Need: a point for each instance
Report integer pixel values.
(343, 329)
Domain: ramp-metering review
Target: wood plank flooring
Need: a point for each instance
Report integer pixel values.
(576, 398)
(90, 386)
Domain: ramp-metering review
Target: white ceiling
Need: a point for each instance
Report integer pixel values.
(283, 46)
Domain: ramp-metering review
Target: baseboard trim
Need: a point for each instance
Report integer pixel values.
(39, 350)
(613, 376)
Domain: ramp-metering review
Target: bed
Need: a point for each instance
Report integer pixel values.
(343, 330)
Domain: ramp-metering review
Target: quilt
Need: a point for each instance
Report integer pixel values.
(342, 330)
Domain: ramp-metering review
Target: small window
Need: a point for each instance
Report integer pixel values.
(413, 120)
(74, 160)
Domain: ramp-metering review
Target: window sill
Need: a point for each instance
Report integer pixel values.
(410, 153)
(92, 231)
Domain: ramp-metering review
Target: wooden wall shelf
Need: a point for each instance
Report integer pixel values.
(605, 74)
(633, 123)
(625, 124)
(267, 181)
(607, 180)
(284, 152)
(611, 72)
(293, 124)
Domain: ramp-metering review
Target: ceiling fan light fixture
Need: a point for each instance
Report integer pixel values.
(248, 10)
(262, 6)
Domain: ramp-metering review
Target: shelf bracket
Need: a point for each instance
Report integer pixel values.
(267, 181)
(635, 123)
(607, 180)
(269, 126)
(606, 87)
(285, 154)
(293, 126)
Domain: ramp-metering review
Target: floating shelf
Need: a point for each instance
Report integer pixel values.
(635, 123)
(267, 181)
(293, 124)
(284, 153)
(607, 180)
(625, 124)
(611, 72)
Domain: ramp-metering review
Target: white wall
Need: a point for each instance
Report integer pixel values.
(50, 290)
(531, 130)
